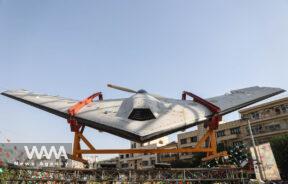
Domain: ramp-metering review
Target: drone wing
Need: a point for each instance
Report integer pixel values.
(59, 105)
(240, 98)
(98, 114)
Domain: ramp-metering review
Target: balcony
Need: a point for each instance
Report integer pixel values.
(265, 115)
(228, 137)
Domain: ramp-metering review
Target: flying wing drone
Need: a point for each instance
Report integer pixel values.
(144, 116)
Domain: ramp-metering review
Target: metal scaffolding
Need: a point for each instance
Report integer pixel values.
(168, 175)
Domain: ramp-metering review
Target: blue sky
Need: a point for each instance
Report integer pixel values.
(74, 48)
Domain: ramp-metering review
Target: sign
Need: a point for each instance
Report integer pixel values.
(35, 154)
(268, 166)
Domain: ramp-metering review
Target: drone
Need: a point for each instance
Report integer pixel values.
(143, 116)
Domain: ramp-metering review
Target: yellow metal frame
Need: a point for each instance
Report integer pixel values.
(211, 149)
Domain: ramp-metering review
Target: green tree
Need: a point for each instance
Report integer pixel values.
(279, 146)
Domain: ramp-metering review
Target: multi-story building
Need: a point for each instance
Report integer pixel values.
(168, 157)
(142, 161)
(267, 121)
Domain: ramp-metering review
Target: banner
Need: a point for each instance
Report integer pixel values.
(268, 166)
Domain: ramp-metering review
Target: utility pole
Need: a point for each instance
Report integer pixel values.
(255, 151)
(95, 162)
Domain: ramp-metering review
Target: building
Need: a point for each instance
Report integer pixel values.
(108, 163)
(267, 121)
(142, 161)
(168, 157)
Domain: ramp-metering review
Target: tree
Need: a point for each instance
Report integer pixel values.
(279, 146)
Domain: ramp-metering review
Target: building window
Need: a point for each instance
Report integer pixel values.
(124, 165)
(255, 115)
(152, 162)
(145, 163)
(245, 116)
(277, 110)
(284, 108)
(256, 129)
(133, 145)
(183, 141)
(235, 130)
(121, 156)
(273, 127)
(194, 139)
(220, 146)
(221, 133)
(127, 155)
(266, 113)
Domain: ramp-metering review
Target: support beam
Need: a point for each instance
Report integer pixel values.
(76, 146)
(217, 155)
(152, 151)
(210, 150)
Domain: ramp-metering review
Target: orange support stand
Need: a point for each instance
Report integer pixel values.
(77, 128)
(211, 150)
(212, 125)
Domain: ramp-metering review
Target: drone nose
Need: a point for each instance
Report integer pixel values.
(141, 91)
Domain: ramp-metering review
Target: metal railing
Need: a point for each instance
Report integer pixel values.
(168, 175)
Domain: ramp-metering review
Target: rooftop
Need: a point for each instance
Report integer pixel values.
(263, 105)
